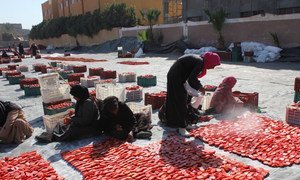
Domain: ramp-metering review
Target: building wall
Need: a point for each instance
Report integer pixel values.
(193, 9)
(76, 7)
(61, 8)
(50, 9)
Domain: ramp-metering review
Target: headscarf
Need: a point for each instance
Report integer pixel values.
(210, 60)
(80, 92)
(228, 83)
(110, 103)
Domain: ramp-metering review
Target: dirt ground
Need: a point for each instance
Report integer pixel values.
(273, 81)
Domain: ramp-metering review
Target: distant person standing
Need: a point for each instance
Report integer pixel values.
(21, 49)
(34, 49)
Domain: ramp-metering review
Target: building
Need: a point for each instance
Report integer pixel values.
(171, 10)
(193, 9)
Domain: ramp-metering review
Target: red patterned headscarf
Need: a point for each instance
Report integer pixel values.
(210, 60)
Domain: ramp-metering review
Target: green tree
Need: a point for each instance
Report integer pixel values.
(218, 19)
(151, 16)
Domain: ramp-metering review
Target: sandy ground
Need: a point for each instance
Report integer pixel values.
(273, 81)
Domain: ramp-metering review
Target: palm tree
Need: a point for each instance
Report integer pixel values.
(151, 15)
(218, 20)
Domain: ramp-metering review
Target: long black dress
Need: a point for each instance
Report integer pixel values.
(186, 68)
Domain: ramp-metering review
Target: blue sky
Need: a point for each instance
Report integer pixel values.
(26, 12)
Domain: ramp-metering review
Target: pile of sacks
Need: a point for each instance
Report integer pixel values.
(262, 53)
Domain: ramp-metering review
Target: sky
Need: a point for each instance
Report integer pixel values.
(26, 12)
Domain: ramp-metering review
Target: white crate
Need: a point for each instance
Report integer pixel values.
(50, 121)
(206, 101)
(134, 95)
(105, 81)
(127, 77)
(138, 108)
(68, 67)
(58, 94)
(105, 90)
(292, 115)
(89, 82)
(22, 68)
(49, 81)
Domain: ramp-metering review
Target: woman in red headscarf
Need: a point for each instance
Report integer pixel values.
(223, 100)
(187, 68)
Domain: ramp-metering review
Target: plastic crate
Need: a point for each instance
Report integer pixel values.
(79, 68)
(95, 71)
(54, 63)
(67, 67)
(16, 60)
(250, 100)
(224, 55)
(49, 81)
(105, 90)
(138, 108)
(38, 67)
(15, 79)
(106, 81)
(6, 74)
(127, 77)
(12, 66)
(50, 121)
(45, 68)
(297, 97)
(6, 61)
(3, 69)
(89, 81)
(56, 94)
(297, 84)
(108, 75)
(146, 81)
(32, 91)
(75, 77)
(155, 99)
(134, 95)
(64, 74)
(293, 114)
(28, 81)
(48, 111)
(22, 68)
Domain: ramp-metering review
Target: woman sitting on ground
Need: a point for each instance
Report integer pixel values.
(223, 100)
(118, 121)
(82, 124)
(14, 127)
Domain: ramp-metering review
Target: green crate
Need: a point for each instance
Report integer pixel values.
(297, 96)
(65, 74)
(15, 80)
(56, 111)
(146, 82)
(53, 64)
(35, 91)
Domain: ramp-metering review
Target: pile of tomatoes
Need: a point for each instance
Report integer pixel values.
(62, 105)
(95, 71)
(133, 88)
(75, 77)
(172, 158)
(12, 67)
(75, 59)
(3, 69)
(260, 138)
(148, 76)
(79, 68)
(26, 166)
(108, 74)
(134, 62)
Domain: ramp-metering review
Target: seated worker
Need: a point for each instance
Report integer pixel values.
(82, 124)
(118, 121)
(14, 127)
(223, 100)
(4, 54)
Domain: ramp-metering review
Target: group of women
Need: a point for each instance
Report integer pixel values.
(115, 118)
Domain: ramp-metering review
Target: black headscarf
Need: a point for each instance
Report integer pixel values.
(110, 103)
(80, 92)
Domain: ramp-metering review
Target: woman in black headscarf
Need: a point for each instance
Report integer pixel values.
(82, 124)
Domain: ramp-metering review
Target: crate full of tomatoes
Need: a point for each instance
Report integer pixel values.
(10, 73)
(5, 60)
(28, 81)
(79, 68)
(3, 69)
(51, 121)
(293, 114)
(32, 90)
(250, 100)
(146, 80)
(75, 77)
(12, 66)
(16, 60)
(38, 67)
(108, 75)
(15, 79)
(89, 81)
(127, 77)
(155, 99)
(134, 93)
(44, 69)
(95, 71)
(58, 107)
(22, 68)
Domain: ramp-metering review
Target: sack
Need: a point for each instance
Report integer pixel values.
(191, 91)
